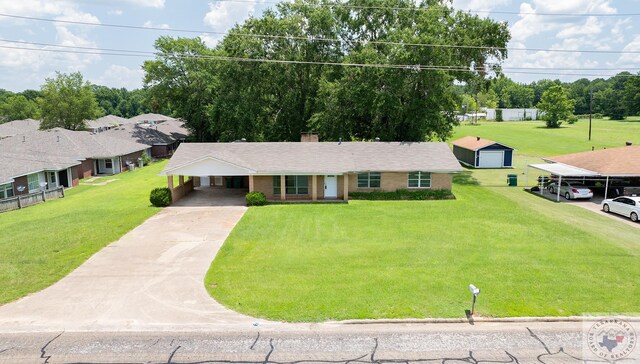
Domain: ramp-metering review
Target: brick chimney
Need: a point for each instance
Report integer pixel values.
(308, 137)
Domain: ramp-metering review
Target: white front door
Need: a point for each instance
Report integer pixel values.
(491, 159)
(204, 181)
(330, 186)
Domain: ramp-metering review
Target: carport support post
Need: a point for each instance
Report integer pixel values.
(170, 182)
(606, 188)
(180, 180)
(250, 183)
(558, 190)
(283, 188)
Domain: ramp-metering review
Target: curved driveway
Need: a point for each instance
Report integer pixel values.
(150, 279)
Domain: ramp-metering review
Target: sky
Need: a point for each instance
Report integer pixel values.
(597, 26)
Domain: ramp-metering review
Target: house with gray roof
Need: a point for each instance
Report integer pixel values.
(315, 170)
(149, 119)
(162, 136)
(105, 123)
(16, 127)
(60, 157)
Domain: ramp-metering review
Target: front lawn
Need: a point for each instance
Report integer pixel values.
(416, 259)
(43, 243)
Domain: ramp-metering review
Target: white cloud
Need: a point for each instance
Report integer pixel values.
(630, 59)
(117, 12)
(158, 4)
(224, 15)
(531, 23)
(121, 76)
(209, 40)
(479, 5)
(590, 27)
(149, 24)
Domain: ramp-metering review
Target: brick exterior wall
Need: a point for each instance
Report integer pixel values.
(85, 169)
(132, 157)
(75, 176)
(391, 181)
(158, 151)
(20, 181)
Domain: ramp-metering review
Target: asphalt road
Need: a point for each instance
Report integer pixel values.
(377, 343)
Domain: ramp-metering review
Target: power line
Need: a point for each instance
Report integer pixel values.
(396, 8)
(311, 39)
(409, 67)
(111, 51)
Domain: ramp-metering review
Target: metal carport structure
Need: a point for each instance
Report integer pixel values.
(565, 170)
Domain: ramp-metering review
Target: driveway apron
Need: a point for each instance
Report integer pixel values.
(150, 279)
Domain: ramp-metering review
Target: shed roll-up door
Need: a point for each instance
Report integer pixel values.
(491, 159)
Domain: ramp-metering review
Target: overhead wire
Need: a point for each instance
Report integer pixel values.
(322, 39)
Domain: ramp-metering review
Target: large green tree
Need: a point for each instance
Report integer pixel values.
(329, 68)
(17, 107)
(67, 101)
(183, 80)
(556, 106)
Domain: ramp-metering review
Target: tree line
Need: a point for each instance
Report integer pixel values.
(65, 92)
(312, 80)
(616, 97)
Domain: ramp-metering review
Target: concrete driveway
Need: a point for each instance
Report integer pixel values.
(150, 279)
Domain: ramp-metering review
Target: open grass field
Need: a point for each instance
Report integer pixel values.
(43, 243)
(530, 257)
(532, 138)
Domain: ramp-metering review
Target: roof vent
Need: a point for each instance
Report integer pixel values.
(478, 138)
(24, 138)
(339, 141)
(377, 139)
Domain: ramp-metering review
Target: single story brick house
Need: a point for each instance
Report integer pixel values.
(60, 157)
(29, 172)
(162, 136)
(315, 170)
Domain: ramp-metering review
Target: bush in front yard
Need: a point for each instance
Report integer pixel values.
(160, 197)
(402, 194)
(256, 199)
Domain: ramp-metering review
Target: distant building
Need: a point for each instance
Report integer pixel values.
(513, 114)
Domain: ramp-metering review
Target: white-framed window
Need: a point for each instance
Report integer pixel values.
(419, 180)
(33, 182)
(294, 185)
(6, 190)
(108, 163)
(369, 180)
(218, 181)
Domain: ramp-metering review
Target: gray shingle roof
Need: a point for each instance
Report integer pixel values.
(13, 165)
(18, 127)
(321, 158)
(107, 121)
(146, 118)
(66, 143)
(167, 132)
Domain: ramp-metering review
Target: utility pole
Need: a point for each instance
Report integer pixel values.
(590, 111)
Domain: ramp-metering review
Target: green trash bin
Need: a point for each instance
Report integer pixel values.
(512, 180)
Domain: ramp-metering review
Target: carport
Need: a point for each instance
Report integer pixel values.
(563, 171)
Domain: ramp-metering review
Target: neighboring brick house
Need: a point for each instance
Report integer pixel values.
(315, 171)
(60, 157)
(29, 172)
(162, 136)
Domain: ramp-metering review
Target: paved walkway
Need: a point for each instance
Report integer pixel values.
(150, 279)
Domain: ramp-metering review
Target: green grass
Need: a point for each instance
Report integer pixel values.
(534, 139)
(415, 259)
(372, 259)
(43, 243)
